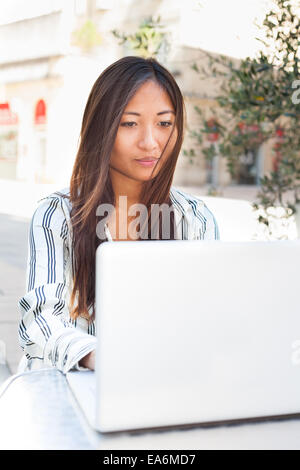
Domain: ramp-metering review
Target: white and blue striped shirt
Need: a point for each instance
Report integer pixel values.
(47, 334)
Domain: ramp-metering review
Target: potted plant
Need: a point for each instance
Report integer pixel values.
(259, 102)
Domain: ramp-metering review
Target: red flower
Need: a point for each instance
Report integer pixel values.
(279, 132)
(213, 137)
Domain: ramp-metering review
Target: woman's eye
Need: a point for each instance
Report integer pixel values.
(166, 123)
(128, 124)
(133, 124)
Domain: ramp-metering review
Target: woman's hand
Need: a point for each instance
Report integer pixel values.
(88, 361)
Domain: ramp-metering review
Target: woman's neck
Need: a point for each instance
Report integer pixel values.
(124, 186)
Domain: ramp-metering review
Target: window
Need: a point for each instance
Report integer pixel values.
(80, 7)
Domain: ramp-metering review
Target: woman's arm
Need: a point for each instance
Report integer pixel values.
(46, 332)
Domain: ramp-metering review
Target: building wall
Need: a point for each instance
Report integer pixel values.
(47, 65)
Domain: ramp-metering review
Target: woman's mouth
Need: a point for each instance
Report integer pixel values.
(147, 162)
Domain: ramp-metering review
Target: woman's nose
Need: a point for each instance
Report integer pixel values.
(147, 140)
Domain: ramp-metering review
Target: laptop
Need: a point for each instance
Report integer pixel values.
(193, 332)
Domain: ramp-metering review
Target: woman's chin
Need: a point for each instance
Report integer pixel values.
(145, 176)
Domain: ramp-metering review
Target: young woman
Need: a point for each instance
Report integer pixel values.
(131, 135)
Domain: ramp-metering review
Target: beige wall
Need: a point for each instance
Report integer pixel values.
(31, 157)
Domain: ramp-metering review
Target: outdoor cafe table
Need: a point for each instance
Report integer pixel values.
(39, 411)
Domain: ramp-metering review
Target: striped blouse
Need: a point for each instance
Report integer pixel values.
(47, 334)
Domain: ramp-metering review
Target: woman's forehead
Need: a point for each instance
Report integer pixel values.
(150, 95)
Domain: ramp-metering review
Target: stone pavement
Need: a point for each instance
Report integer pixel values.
(13, 252)
(17, 203)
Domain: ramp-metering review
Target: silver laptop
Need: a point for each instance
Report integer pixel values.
(193, 332)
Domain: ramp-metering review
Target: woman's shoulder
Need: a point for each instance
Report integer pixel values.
(62, 196)
(186, 201)
(194, 209)
(59, 194)
(53, 208)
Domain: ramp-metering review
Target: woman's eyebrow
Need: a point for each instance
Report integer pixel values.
(158, 114)
(166, 112)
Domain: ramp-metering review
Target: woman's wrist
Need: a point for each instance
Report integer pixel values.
(88, 361)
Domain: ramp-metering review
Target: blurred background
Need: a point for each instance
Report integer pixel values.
(51, 53)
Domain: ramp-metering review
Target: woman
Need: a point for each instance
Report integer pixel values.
(131, 135)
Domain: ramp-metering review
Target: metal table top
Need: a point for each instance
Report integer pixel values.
(38, 411)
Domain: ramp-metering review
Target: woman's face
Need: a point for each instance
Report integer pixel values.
(144, 130)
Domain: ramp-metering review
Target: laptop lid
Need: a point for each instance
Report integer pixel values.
(195, 332)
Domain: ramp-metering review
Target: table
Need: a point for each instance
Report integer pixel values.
(39, 411)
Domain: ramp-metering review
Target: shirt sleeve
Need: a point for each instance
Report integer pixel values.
(208, 228)
(46, 331)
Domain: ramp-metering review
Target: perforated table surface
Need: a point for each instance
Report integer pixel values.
(39, 411)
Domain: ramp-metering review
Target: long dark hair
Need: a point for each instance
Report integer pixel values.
(90, 181)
